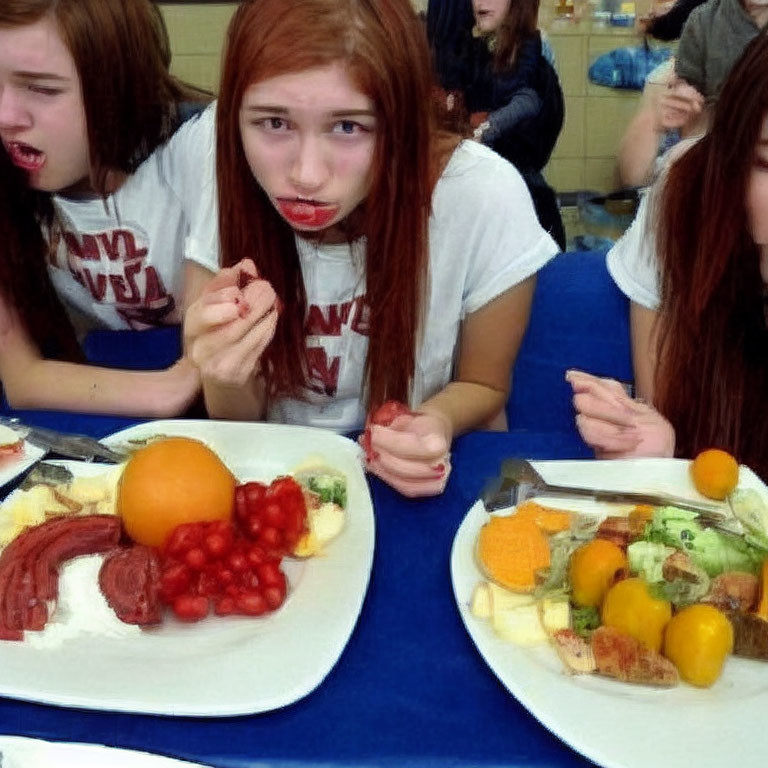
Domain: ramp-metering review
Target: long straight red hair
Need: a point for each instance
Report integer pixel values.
(712, 377)
(383, 46)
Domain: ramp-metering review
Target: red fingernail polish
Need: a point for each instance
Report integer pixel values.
(439, 468)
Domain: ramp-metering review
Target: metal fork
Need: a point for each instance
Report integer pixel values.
(520, 481)
(71, 446)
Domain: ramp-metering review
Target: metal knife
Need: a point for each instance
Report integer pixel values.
(70, 446)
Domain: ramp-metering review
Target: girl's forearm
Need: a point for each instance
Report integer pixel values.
(55, 385)
(465, 406)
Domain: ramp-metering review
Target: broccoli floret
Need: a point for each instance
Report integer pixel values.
(330, 489)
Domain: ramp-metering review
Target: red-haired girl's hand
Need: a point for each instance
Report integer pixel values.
(614, 424)
(409, 450)
(228, 328)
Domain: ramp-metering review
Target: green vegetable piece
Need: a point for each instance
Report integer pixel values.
(711, 550)
(585, 620)
(331, 489)
(646, 559)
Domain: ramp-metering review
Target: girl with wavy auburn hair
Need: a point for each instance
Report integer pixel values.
(700, 342)
(393, 262)
(120, 195)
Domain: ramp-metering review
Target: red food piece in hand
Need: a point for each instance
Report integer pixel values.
(244, 278)
(383, 416)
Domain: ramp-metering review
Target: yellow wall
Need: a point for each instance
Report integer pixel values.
(595, 116)
(197, 35)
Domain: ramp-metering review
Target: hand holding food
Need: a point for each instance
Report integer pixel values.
(614, 424)
(409, 450)
(228, 328)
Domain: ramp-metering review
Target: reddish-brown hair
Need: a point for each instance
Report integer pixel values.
(24, 281)
(383, 46)
(122, 54)
(519, 24)
(712, 377)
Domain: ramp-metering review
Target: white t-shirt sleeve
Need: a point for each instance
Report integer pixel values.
(632, 260)
(503, 241)
(189, 163)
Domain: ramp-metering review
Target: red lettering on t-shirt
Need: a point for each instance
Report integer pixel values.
(87, 249)
(142, 302)
(125, 288)
(156, 295)
(323, 375)
(111, 242)
(96, 284)
(361, 318)
(327, 320)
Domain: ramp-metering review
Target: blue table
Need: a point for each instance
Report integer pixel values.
(409, 689)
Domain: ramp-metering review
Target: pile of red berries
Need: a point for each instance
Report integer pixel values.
(234, 567)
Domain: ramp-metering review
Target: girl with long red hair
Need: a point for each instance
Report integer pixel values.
(393, 262)
(105, 204)
(697, 281)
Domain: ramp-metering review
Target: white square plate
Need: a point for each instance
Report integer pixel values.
(620, 725)
(18, 752)
(13, 466)
(233, 665)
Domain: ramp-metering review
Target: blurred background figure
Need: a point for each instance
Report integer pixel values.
(713, 38)
(668, 110)
(498, 84)
(667, 26)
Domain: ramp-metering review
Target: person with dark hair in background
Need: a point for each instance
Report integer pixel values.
(668, 26)
(121, 196)
(509, 87)
(668, 110)
(695, 267)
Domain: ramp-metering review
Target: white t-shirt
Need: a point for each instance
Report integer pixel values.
(633, 261)
(484, 238)
(119, 262)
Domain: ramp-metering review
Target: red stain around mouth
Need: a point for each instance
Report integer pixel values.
(307, 214)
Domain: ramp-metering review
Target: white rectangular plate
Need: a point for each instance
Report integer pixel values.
(233, 665)
(18, 752)
(12, 467)
(619, 725)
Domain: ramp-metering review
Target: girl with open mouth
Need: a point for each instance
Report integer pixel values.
(400, 261)
(107, 201)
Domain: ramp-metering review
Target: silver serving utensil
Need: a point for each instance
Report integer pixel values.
(70, 446)
(520, 481)
(45, 473)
